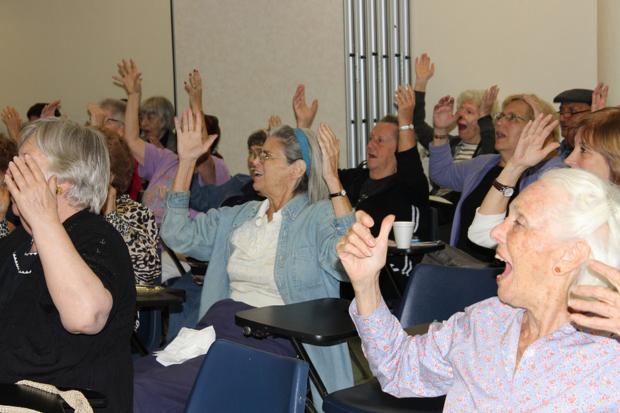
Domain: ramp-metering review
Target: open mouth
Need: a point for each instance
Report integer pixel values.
(255, 174)
(507, 270)
(462, 126)
(499, 135)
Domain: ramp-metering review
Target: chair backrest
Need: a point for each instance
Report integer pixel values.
(237, 378)
(435, 292)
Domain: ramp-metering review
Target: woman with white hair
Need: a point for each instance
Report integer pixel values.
(518, 351)
(278, 251)
(67, 296)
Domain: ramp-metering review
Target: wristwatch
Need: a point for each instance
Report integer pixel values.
(506, 190)
(340, 193)
(406, 127)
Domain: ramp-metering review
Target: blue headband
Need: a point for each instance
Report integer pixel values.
(302, 139)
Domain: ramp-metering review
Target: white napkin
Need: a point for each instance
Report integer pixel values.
(189, 343)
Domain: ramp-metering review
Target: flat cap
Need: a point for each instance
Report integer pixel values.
(574, 95)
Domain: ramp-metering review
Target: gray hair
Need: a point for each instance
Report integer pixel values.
(116, 106)
(162, 107)
(475, 96)
(314, 185)
(592, 214)
(76, 154)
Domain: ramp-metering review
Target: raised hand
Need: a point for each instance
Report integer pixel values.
(190, 142)
(49, 110)
(129, 77)
(444, 116)
(13, 122)
(534, 104)
(599, 96)
(531, 148)
(404, 98)
(34, 196)
(273, 122)
(193, 87)
(424, 70)
(488, 100)
(363, 256)
(330, 152)
(603, 303)
(304, 114)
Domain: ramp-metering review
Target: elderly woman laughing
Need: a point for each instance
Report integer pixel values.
(517, 352)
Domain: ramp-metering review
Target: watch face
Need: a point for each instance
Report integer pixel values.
(508, 192)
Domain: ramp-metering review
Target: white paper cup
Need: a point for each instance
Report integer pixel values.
(403, 231)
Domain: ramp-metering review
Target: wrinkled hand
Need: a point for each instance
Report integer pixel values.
(361, 254)
(273, 122)
(531, 148)
(330, 151)
(97, 114)
(444, 116)
(534, 104)
(304, 114)
(488, 100)
(34, 196)
(404, 98)
(193, 87)
(129, 77)
(13, 122)
(424, 68)
(599, 96)
(49, 110)
(190, 142)
(604, 303)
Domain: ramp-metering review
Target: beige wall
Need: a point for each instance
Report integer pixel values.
(608, 50)
(68, 50)
(522, 46)
(253, 53)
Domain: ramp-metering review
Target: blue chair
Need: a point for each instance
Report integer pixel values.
(236, 378)
(149, 333)
(434, 292)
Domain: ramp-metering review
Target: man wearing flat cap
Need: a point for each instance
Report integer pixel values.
(574, 103)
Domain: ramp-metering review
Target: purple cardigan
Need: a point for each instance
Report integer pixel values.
(465, 176)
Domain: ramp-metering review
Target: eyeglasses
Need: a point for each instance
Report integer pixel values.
(266, 156)
(510, 117)
(112, 120)
(570, 113)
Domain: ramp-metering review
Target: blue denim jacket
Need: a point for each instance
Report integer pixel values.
(306, 267)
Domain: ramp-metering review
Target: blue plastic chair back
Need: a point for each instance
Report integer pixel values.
(436, 292)
(236, 378)
(149, 331)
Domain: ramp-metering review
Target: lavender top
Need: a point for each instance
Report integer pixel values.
(471, 357)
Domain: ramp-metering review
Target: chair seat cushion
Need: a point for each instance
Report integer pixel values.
(368, 397)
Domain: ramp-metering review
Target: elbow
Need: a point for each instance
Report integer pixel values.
(90, 320)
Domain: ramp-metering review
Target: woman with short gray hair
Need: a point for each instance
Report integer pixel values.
(67, 296)
(156, 122)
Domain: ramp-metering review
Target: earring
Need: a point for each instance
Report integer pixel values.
(58, 190)
(557, 269)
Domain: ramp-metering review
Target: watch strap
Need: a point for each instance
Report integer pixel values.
(339, 193)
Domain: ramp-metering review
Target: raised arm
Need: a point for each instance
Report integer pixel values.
(443, 120)
(599, 96)
(330, 151)
(304, 114)
(485, 121)
(405, 102)
(424, 70)
(130, 79)
(82, 301)
(13, 122)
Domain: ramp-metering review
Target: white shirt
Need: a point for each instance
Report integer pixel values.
(252, 261)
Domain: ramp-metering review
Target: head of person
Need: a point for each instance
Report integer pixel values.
(467, 114)
(121, 161)
(114, 119)
(8, 150)
(554, 227)
(290, 164)
(515, 114)
(156, 116)
(255, 145)
(574, 103)
(381, 148)
(34, 112)
(597, 144)
(76, 155)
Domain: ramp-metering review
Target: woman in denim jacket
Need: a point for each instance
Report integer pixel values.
(278, 251)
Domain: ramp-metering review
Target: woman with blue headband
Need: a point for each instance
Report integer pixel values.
(277, 251)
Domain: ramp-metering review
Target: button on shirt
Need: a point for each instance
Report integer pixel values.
(471, 357)
(251, 265)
